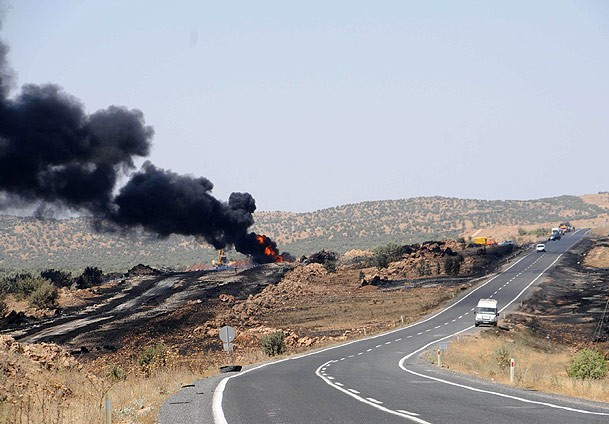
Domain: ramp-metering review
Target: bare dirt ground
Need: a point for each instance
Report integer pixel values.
(116, 321)
(108, 327)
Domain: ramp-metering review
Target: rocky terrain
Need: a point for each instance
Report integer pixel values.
(108, 327)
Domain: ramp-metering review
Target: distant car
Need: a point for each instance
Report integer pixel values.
(540, 247)
(554, 237)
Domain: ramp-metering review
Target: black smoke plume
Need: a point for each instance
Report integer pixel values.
(167, 203)
(54, 155)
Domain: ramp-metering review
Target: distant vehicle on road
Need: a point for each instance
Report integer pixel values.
(507, 243)
(540, 247)
(555, 236)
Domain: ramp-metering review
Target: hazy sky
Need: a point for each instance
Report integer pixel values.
(322, 103)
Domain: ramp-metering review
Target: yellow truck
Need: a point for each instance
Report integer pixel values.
(484, 241)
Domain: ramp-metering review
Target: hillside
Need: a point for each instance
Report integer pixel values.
(72, 244)
(370, 224)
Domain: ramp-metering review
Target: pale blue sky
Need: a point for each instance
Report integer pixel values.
(322, 103)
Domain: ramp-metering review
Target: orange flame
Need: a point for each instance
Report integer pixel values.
(268, 250)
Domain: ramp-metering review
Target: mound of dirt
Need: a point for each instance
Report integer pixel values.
(141, 269)
(442, 259)
(45, 355)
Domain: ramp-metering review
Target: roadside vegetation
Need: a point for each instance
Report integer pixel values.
(41, 291)
(540, 364)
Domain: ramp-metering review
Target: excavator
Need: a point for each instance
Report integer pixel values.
(222, 259)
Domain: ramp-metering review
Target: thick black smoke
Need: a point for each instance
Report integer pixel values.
(167, 203)
(54, 155)
(52, 151)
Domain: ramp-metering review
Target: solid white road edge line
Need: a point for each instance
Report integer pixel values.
(218, 413)
(550, 405)
(217, 410)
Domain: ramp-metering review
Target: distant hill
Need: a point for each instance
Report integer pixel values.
(72, 244)
(370, 224)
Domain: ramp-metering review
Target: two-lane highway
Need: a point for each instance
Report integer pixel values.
(382, 380)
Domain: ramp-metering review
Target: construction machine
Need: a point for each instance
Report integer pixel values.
(221, 260)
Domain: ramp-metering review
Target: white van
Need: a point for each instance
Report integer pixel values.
(486, 312)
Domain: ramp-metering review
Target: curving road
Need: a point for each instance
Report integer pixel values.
(382, 380)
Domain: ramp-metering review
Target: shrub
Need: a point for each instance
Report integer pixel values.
(587, 363)
(117, 374)
(57, 278)
(273, 344)
(90, 277)
(44, 296)
(152, 357)
(503, 357)
(3, 306)
(330, 267)
(540, 232)
(24, 285)
(452, 265)
(8, 285)
(384, 255)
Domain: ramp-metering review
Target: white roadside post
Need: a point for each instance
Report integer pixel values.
(512, 365)
(108, 410)
(441, 349)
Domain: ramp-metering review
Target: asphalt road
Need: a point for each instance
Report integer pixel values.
(383, 379)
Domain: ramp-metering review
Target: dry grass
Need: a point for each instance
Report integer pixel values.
(138, 398)
(73, 395)
(31, 393)
(598, 257)
(540, 364)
